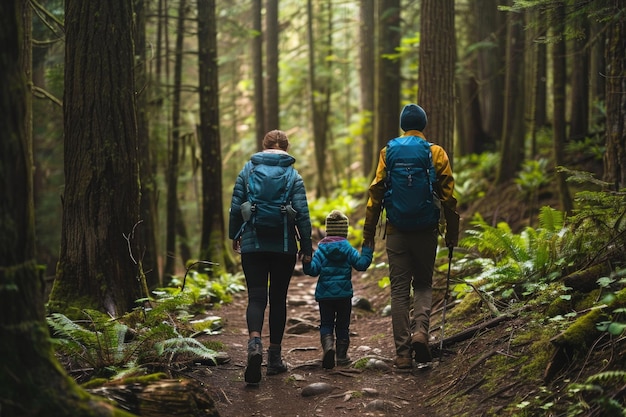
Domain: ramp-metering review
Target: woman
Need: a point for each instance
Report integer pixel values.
(266, 254)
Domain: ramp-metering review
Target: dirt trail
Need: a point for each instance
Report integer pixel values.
(376, 390)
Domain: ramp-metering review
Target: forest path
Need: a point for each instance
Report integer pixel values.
(376, 390)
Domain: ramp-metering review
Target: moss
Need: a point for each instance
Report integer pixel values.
(469, 305)
(582, 332)
(534, 364)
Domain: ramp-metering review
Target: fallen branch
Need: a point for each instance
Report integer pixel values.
(472, 331)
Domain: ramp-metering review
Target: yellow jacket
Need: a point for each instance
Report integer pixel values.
(444, 188)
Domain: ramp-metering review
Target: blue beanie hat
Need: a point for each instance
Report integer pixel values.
(413, 117)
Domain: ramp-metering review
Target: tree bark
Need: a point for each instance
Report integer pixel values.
(579, 102)
(212, 244)
(272, 107)
(172, 223)
(367, 59)
(513, 130)
(97, 264)
(558, 93)
(490, 25)
(319, 90)
(257, 72)
(615, 155)
(33, 382)
(437, 71)
(147, 230)
(387, 101)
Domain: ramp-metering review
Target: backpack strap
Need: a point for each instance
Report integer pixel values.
(283, 208)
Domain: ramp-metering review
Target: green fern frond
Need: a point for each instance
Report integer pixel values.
(616, 376)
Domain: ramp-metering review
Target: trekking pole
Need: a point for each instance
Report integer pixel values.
(445, 302)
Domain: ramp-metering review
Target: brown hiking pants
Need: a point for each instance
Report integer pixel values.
(411, 264)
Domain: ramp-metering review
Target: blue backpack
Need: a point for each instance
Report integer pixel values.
(268, 209)
(410, 199)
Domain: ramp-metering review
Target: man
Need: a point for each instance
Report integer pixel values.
(411, 253)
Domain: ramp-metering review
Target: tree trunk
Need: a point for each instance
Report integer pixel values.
(513, 130)
(33, 382)
(490, 32)
(436, 71)
(319, 92)
(558, 85)
(272, 107)
(172, 169)
(615, 155)
(387, 101)
(147, 230)
(257, 72)
(97, 265)
(468, 117)
(213, 237)
(367, 59)
(579, 101)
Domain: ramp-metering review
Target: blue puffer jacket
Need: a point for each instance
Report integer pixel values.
(333, 262)
(249, 238)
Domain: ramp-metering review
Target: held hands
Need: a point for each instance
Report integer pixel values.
(305, 259)
(237, 245)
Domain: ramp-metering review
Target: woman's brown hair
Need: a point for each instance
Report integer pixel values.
(276, 139)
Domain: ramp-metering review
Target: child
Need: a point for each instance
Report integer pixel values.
(333, 262)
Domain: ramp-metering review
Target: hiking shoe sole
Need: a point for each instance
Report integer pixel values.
(328, 361)
(253, 370)
(421, 352)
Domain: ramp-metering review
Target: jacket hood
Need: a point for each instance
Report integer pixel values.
(282, 159)
(335, 248)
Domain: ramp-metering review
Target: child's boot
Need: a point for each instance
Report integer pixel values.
(252, 374)
(342, 352)
(275, 363)
(328, 345)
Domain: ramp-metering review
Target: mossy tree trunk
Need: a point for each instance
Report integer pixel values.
(32, 382)
(98, 267)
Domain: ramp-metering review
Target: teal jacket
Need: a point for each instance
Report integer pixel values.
(333, 262)
(250, 242)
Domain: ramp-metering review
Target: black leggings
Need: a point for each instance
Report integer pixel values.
(259, 269)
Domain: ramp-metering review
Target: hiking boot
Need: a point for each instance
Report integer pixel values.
(328, 345)
(252, 374)
(421, 351)
(403, 363)
(342, 352)
(275, 363)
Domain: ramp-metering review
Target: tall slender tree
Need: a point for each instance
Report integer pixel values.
(257, 71)
(213, 237)
(559, 100)
(367, 54)
(147, 230)
(272, 108)
(172, 222)
(387, 81)
(436, 70)
(319, 87)
(513, 129)
(97, 264)
(615, 155)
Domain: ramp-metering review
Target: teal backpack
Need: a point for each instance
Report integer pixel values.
(410, 200)
(268, 209)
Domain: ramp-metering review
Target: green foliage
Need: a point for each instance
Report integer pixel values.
(507, 260)
(473, 175)
(598, 392)
(111, 349)
(533, 176)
